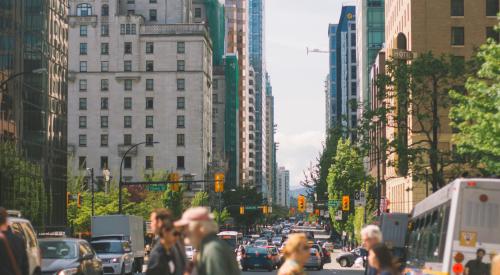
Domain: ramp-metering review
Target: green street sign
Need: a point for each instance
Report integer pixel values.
(156, 187)
(251, 207)
(334, 203)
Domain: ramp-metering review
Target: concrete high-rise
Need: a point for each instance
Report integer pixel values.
(251, 127)
(270, 144)
(283, 187)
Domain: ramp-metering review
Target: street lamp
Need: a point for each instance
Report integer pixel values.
(121, 166)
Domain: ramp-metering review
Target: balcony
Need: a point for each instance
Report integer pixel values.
(82, 20)
(174, 29)
(122, 148)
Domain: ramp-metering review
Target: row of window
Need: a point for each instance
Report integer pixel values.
(127, 123)
(127, 66)
(127, 162)
(127, 103)
(458, 35)
(457, 7)
(127, 140)
(181, 48)
(128, 84)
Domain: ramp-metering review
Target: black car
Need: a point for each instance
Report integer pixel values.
(69, 256)
(347, 259)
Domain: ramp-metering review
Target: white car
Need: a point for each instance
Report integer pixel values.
(189, 252)
(116, 256)
(22, 227)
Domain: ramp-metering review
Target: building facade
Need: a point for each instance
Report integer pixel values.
(139, 72)
(33, 105)
(270, 146)
(331, 96)
(283, 187)
(251, 128)
(231, 122)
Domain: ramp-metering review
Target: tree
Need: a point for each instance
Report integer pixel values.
(223, 217)
(243, 196)
(476, 113)
(200, 199)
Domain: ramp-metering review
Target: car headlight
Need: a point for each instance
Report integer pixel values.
(68, 271)
(116, 260)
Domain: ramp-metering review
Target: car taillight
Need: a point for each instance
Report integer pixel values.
(269, 256)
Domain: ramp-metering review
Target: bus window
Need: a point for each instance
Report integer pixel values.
(445, 213)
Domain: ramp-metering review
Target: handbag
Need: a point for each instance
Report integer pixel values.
(13, 261)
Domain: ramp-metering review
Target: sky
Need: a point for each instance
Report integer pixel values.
(298, 79)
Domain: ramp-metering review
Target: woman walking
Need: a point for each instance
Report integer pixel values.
(296, 253)
(380, 258)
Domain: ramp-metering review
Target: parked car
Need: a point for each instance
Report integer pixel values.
(326, 256)
(116, 256)
(22, 228)
(320, 251)
(347, 259)
(314, 260)
(69, 256)
(328, 246)
(275, 255)
(257, 258)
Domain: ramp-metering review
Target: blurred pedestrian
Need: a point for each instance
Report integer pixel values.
(161, 258)
(214, 255)
(13, 257)
(380, 259)
(477, 266)
(495, 265)
(296, 252)
(370, 236)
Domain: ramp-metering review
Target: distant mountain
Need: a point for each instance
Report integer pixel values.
(296, 192)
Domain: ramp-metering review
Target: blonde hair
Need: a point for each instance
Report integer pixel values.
(495, 265)
(294, 244)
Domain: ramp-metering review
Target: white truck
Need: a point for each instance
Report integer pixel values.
(119, 242)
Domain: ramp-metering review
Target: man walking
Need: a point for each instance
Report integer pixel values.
(370, 235)
(214, 256)
(476, 266)
(13, 257)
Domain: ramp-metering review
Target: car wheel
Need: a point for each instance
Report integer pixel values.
(343, 262)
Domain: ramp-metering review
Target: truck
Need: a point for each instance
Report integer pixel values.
(394, 227)
(121, 239)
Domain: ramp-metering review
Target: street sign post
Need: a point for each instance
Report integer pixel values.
(338, 216)
(359, 198)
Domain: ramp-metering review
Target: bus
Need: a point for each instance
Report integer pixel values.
(447, 228)
(232, 238)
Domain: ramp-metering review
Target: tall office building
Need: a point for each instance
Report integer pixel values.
(231, 123)
(237, 43)
(33, 105)
(251, 127)
(446, 27)
(219, 160)
(270, 147)
(283, 187)
(140, 71)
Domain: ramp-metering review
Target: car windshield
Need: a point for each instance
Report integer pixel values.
(255, 250)
(58, 250)
(109, 247)
(277, 239)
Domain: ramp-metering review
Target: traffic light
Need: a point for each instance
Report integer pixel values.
(265, 209)
(175, 186)
(67, 199)
(219, 182)
(345, 203)
(79, 200)
(242, 210)
(301, 202)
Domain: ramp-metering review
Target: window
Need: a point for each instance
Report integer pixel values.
(353, 55)
(127, 122)
(353, 71)
(215, 84)
(104, 66)
(83, 66)
(215, 98)
(82, 162)
(353, 27)
(127, 83)
(149, 140)
(181, 84)
(491, 7)
(197, 12)
(152, 1)
(104, 162)
(82, 140)
(104, 48)
(83, 9)
(353, 39)
(104, 103)
(181, 65)
(83, 48)
(127, 163)
(128, 48)
(181, 47)
(150, 84)
(180, 162)
(104, 122)
(149, 162)
(180, 122)
(105, 10)
(82, 103)
(127, 139)
(150, 47)
(457, 7)
(130, 12)
(127, 66)
(83, 30)
(491, 33)
(457, 36)
(149, 121)
(127, 28)
(104, 30)
(180, 140)
(127, 103)
(104, 140)
(152, 15)
(354, 121)
(82, 83)
(149, 103)
(353, 89)
(82, 122)
(149, 66)
(130, 1)
(181, 103)
(104, 84)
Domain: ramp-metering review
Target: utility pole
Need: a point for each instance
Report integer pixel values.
(91, 170)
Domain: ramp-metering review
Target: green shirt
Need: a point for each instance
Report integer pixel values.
(216, 258)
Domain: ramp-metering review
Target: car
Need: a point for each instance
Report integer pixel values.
(314, 260)
(275, 255)
(320, 251)
(116, 256)
(261, 242)
(69, 256)
(22, 228)
(347, 259)
(189, 252)
(277, 241)
(257, 258)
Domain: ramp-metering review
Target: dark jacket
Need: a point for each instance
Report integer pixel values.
(18, 247)
(161, 262)
(179, 253)
(216, 258)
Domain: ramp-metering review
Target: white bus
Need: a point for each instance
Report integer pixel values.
(448, 227)
(232, 238)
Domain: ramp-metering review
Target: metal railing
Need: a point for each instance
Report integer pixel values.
(174, 29)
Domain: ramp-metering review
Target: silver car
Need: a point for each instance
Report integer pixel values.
(116, 256)
(314, 260)
(22, 227)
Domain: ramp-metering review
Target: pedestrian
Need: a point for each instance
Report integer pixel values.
(13, 257)
(381, 260)
(476, 266)
(214, 256)
(161, 259)
(296, 252)
(370, 236)
(495, 265)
